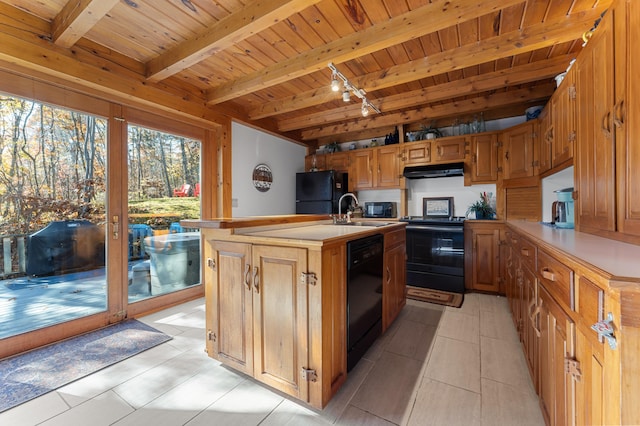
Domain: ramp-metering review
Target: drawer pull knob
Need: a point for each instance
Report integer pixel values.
(524, 252)
(605, 329)
(548, 275)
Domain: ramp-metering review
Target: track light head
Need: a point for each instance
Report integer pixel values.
(365, 108)
(335, 83)
(346, 96)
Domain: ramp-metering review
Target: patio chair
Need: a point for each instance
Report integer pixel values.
(175, 228)
(196, 190)
(183, 191)
(137, 233)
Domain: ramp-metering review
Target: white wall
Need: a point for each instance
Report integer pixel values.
(463, 196)
(250, 147)
(562, 179)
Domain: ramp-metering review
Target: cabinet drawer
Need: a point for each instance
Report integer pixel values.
(557, 278)
(393, 238)
(527, 252)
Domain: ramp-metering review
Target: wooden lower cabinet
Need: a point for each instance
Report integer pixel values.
(482, 267)
(580, 379)
(394, 279)
(278, 312)
(265, 320)
(556, 345)
(280, 318)
(230, 306)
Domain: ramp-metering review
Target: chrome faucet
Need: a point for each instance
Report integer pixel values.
(340, 205)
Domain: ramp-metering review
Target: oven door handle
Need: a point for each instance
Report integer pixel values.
(452, 229)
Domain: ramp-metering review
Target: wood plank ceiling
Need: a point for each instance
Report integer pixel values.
(420, 62)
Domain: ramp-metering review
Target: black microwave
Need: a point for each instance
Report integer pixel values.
(379, 209)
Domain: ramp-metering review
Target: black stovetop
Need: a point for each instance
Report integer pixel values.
(456, 220)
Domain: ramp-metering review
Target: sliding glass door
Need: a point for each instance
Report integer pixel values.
(163, 188)
(52, 215)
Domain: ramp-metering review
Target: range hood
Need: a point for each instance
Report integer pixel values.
(434, 171)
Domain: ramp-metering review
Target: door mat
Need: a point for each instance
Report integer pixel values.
(27, 376)
(435, 296)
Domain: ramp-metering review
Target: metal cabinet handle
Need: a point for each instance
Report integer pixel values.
(605, 329)
(256, 279)
(247, 276)
(534, 321)
(618, 114)
(606, 129)
(388, 275)
(547, 274)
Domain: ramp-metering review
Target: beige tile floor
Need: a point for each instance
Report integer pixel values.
(434, 366)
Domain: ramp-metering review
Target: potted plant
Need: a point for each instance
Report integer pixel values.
(482, 208)
(430, 132)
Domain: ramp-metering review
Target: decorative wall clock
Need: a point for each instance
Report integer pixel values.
(262, 177)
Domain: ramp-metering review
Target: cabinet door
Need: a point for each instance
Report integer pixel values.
(280, 322)
(231, 319)
(362, 169)
(388, 167)
(394, 284)
(450, 149)
(484, 253)
(484, 158)
(595, 147)
(563, 104)
(518, 151)
(545, 139)
(338, 161)
(626, 113)
(530, 325)
(556, 343)
(417, 153)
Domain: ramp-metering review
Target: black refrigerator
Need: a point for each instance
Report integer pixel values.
(319, 192)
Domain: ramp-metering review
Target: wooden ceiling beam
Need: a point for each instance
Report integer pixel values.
(76, 18)
(250, 20)
(513, 43)
(539, 70)
(429, 18)
(434, 112)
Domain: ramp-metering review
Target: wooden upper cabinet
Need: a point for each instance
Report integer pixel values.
(449, 149)
(417, 153)
(518, 151)
(544, 139)
(595, 147)
(563, 104)
(387, 159)
(338, 161)
(625, 115)
(361, 171)
(484, 158)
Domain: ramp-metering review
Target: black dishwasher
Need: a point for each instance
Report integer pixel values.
(364, 295)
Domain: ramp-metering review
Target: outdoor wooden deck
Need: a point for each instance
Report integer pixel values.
(31, 303)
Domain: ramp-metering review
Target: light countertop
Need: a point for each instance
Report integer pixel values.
(618, 259)
(321, 232)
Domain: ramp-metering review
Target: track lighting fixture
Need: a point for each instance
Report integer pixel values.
(335, 83)
(348, 89)
(365, 109)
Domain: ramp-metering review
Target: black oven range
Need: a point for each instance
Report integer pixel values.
(435, 253)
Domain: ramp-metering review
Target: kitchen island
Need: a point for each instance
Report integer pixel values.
(276, 297)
